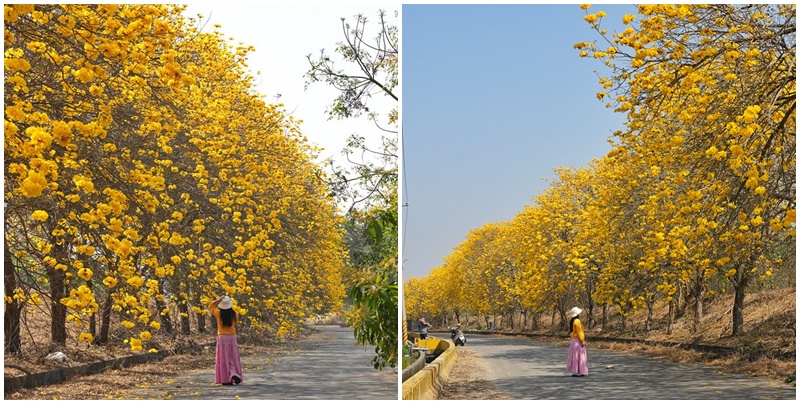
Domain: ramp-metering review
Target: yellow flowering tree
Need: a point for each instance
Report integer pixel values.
(709, 93)
(698, 191)
(145, 176)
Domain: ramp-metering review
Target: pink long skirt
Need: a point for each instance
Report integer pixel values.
(228, 362)
(577, 363)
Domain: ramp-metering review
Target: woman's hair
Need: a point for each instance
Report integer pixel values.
(227, 316)
(571, 322)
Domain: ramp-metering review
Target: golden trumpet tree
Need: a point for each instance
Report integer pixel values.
(144, 176)
(709, 92)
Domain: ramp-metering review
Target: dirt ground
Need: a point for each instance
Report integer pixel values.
(118, 384)
(770, 368)
(466, 380)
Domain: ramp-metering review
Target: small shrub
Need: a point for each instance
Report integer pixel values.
(791, 379)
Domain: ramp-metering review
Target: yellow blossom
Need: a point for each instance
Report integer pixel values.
(85, 273)
(135, 281)
(39, 215)
(34, 184)
(17, 64)
(136, 344)
(628, 18)
(110, 281)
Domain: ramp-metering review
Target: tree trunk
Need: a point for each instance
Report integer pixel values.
(183, 309)
(670, 316)
(201, 323)
(605, 315)
(201, 319)
(589, 316)
(562, 315)
(105, 321)
(166, 320)
(11, 317)
(740, 288)
(93, 317)
(682, 301)
(699, 296)
(56, 278)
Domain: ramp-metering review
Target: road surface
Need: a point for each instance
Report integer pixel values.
(524, 369)
(329, 367)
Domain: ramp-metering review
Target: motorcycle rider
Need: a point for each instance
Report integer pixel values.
(454, 331)
(457, 335)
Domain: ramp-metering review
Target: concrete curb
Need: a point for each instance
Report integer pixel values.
(32, 380)
(427, 384)
(415, 367)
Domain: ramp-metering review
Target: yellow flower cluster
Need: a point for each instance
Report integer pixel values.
(85, 336)
(39, 215)
(136, 344)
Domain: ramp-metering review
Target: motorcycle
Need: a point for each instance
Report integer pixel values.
(457, 335)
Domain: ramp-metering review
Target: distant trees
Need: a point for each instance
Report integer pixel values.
(698, 191)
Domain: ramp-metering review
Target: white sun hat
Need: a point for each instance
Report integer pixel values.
(225, 303)
(574, 312)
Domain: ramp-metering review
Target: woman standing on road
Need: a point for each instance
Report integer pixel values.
(228, 369)
(577, 363)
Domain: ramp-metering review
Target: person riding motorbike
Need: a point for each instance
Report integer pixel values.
(457, 335)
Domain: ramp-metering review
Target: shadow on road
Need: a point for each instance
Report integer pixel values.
(327, 367)
(526, 369)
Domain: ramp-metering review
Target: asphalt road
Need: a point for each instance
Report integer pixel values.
(329, 368)
(529, 370)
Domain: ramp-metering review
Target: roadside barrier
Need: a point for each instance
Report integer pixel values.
(427, 383)
(415, 367)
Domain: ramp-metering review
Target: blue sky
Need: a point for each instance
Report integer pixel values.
(494, 98)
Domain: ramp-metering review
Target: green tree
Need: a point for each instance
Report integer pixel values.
(369, 186)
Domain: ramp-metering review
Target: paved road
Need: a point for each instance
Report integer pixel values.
(527, 369)
(329, 368)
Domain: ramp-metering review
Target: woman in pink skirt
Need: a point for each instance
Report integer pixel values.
(576, 361)
(228, 370)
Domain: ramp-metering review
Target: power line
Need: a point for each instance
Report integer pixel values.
(405, 188)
